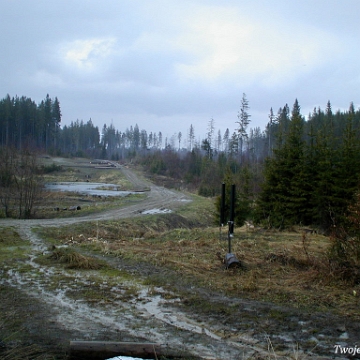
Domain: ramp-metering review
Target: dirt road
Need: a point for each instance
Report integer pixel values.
(151, 314)
(143, 319)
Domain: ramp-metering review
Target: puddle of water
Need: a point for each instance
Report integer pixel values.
(96, 189)
(144, 316)
(138, 318)
(153, 306)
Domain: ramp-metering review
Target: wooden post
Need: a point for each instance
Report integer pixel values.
(101, 350)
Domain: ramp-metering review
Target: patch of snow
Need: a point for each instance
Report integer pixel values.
(156, 211)
(124, 358)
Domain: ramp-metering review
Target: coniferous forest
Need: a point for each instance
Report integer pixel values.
(297, 171)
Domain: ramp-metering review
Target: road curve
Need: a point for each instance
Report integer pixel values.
(157, 197)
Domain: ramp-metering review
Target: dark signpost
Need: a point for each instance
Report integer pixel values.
(230, 258)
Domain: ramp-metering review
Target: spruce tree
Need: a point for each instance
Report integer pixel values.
(244, 121)
(325, 170)
(298, 182)
(348, 168)
(285, 193)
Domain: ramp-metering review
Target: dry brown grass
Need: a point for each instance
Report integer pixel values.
(23, 352)
(74, 260)
(282, 267)
(275, 266)
(16, 342)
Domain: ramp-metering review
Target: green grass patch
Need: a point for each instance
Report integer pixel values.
(10, 237)
(18, 313)
(12, 247)
(60, 205)
(200, 210)
(62, 169)
(149, 227)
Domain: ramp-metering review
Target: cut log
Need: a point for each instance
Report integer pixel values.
(101, 350)
(72, 208)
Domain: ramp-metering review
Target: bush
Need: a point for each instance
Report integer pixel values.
(206, 191)
(344, 254)
(47, 169)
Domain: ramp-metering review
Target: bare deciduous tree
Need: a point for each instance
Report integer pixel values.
(20, 184)
(27, 183)
(7, 166)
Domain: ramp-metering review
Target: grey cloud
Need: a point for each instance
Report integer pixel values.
(139, 81)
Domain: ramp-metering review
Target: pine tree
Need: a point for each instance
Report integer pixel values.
(244, 196)
(179, 135)
(210, 133)
(226, 140)
(270, 131)
(325, 171)
(285, 194)
(244, 121)
(191, 137)
(234, 145)
(299, 189)
(136, 137)
(56, 119)
(348, 169)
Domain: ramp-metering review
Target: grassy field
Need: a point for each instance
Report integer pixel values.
(287, 268)
(177, 252)
(62, 169)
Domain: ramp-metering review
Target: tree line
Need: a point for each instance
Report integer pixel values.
(23, 123)
(313, 171)
(295, 171)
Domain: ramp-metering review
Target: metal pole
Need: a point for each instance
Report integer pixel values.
(222, 205)
(229, 237)
(232, 212)
(222, 209)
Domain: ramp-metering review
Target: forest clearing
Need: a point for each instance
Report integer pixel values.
(119, 274)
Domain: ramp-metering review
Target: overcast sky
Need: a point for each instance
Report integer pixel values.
(166, 64)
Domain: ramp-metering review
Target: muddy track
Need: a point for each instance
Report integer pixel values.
(250, 332)
(157, 197)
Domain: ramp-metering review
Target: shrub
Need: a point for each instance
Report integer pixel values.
(47, 169)
(344, 254)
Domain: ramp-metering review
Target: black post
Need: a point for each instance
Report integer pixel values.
(232, 206)
(222, 205)
(232, 212)
(230, 259)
